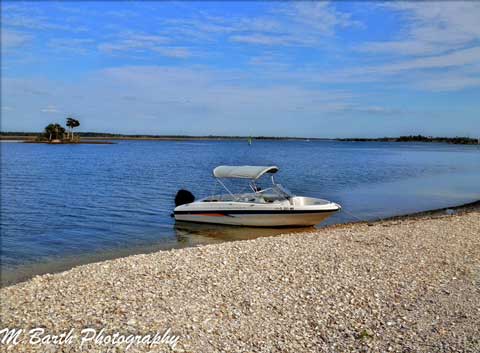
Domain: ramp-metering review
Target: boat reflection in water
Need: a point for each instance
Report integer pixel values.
(195, 234)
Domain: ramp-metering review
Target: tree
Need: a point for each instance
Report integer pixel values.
(54, 131)
(72, 123)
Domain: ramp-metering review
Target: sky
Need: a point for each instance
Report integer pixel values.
(312, 69)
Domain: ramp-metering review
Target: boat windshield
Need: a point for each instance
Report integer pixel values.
(272, 194)
(277, 189)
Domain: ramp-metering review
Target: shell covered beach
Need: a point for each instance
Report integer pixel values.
(400, 285)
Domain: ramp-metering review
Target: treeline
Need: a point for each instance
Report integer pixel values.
(213, 137)
(140, 136)
(418, 138)
(19, 133)
(410, 138)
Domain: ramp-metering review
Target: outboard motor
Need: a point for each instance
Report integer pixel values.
(183, 196)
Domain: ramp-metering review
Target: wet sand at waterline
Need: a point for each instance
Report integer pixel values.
(402, 285)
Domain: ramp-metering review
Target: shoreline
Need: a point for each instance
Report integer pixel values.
(175, 138)
(441, 140)
(24, 273)
(402, 284)
(84, 142)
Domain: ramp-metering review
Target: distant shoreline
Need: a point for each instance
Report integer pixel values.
(169, 138)
(91, 137)
(84, 142)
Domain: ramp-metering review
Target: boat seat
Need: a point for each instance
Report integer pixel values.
(270, 197)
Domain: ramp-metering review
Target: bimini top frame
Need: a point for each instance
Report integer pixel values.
(248, 172)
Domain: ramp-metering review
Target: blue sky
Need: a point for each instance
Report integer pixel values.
(316, 69)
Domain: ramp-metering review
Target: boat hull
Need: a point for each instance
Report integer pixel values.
(257, 219)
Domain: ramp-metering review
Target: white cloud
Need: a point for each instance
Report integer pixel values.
(319, 16)
(50, 109)
(38, 23)
(173, 100)
(207, 25)
(431, 28)
(459, 18)
(122, 13)
(71, 45)
(450, 80)
(14, 39)
(269, 39)
(177, 98)
(404, 47)
(454, 59)
(173, 52)
(429, 73)
(133, 42)
(138, 43)
(377, 110)
(288, 24)
(298, 23)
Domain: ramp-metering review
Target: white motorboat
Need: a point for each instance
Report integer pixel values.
(274, 206)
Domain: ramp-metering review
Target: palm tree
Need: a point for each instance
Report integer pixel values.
(72, 123)
(54, 131)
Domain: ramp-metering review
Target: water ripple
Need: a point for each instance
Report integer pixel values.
(75, 200)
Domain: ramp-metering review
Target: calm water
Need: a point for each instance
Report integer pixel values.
(80, 203)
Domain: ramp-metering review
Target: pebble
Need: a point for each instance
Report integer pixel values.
(409, 285)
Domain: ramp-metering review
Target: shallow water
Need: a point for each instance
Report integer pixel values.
(75, 203)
